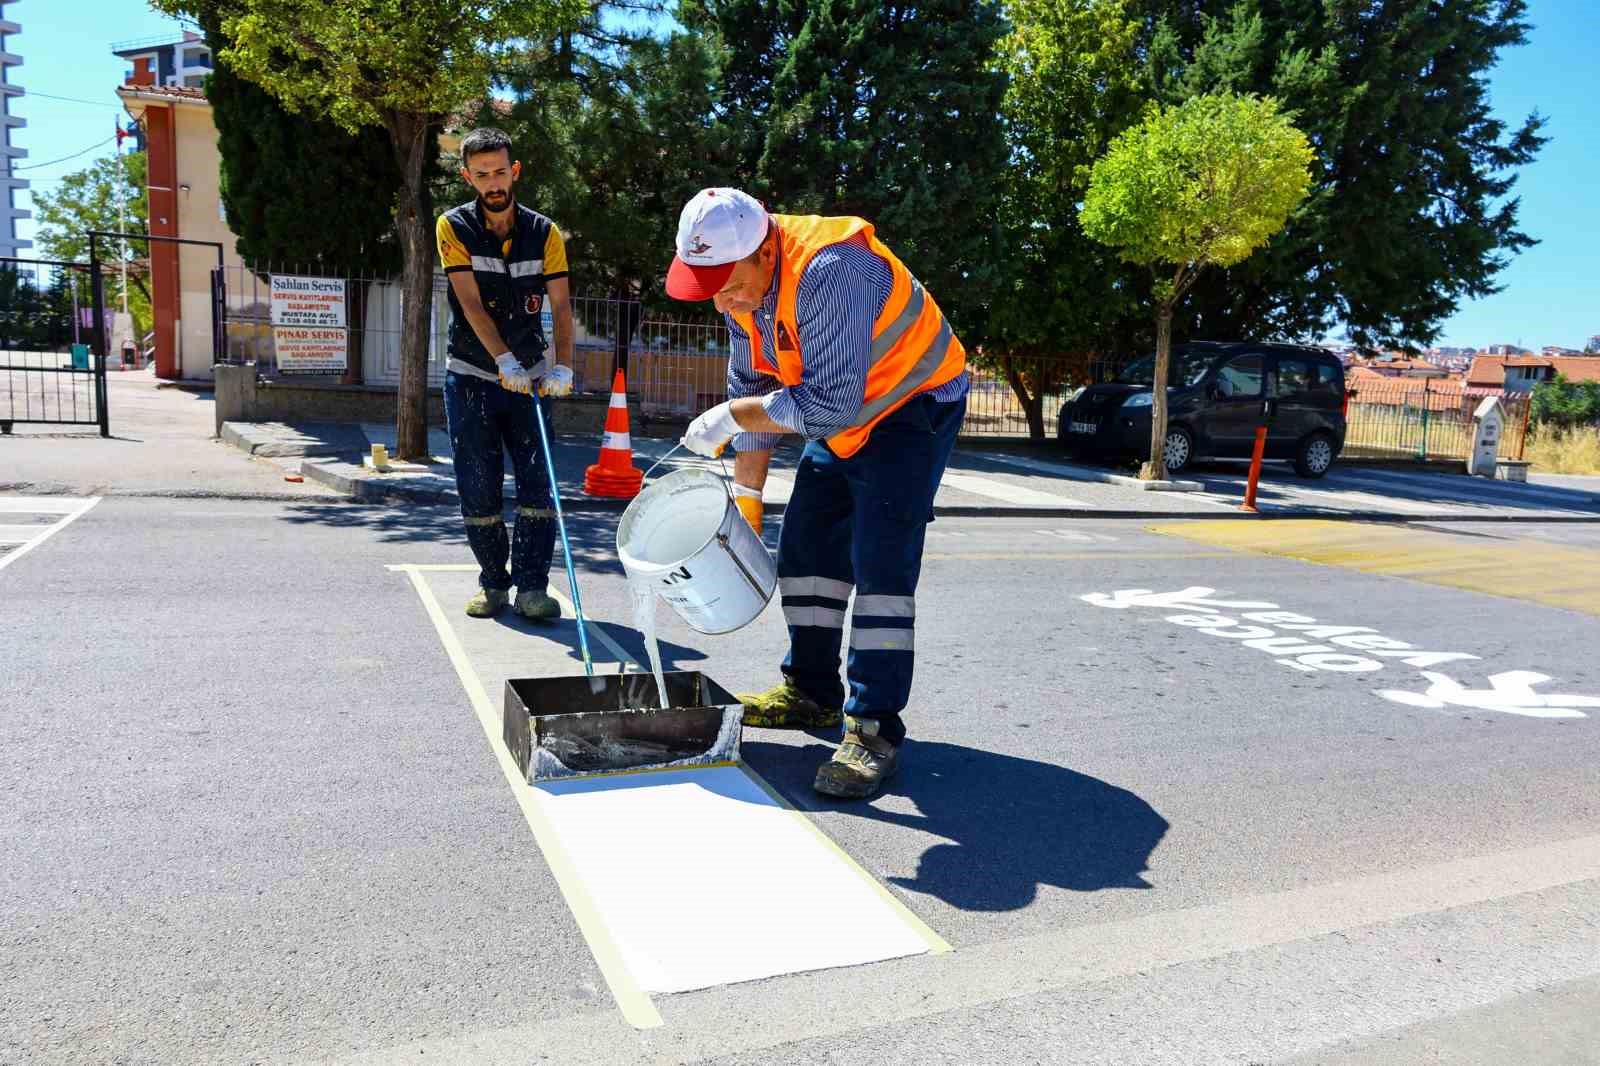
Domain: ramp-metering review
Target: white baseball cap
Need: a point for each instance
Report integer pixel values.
(717, 228)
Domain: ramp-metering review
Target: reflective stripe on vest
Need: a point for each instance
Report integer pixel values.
(913, 347)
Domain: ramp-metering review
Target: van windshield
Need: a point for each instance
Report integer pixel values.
(1183, 368)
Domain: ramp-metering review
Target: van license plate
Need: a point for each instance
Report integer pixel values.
(1084, 427)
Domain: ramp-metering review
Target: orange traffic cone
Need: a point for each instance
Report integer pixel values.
(615, 474)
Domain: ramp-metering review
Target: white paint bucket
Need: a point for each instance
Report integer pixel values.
(684, 539)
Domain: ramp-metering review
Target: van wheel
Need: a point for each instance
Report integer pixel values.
(1314, 456)
(1179, 452)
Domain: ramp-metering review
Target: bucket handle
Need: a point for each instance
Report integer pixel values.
(722, 539)
(727, 478)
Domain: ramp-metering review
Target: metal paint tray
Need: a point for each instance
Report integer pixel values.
(558, 727)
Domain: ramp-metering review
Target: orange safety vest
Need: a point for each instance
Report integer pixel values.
(913, 348)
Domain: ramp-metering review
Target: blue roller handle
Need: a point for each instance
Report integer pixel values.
(561, 524)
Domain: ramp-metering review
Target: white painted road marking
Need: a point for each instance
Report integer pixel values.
(40, 504)
(780, 485)
(690, 870)
(1007, 492)
(29, 537)
(1510, 692)
(741, 1022)
(637, 879)
(634, 1002)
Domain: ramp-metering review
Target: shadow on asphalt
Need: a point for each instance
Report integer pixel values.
(593, 536)
(1011, 824)
(625, 637)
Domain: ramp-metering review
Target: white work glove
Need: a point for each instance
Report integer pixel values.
(557, 381)
(748, 500)
(513, 375)
(711, 432)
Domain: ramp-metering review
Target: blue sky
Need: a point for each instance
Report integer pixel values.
(1552, 291)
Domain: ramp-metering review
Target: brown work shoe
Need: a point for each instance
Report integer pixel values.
(862, 764)
(786, 707)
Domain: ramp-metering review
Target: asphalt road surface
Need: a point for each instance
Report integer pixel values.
(1168, 798)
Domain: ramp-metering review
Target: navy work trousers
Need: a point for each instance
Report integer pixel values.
(487, 421)
(859, 523)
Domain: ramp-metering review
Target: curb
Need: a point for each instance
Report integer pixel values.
(245, 437)
(1153, 486)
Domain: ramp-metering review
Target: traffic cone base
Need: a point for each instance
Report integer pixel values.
(615, 475)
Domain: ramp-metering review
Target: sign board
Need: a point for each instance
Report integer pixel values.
(1487, 422)
(309, 350)
(119, 339)
(307, 301)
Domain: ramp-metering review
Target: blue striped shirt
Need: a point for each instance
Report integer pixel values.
(842, 293)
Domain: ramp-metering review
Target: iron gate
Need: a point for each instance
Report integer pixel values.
(52, 372)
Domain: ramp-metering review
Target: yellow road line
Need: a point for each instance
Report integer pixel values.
(636, 1005)
(1547, 574)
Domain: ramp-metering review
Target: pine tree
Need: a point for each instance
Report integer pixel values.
(881, 110)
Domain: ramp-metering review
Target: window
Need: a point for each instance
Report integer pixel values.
(1296, 379)
(1241, 377)
(1183, 368)
(1330, 379)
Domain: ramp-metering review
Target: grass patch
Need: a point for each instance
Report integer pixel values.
(1565, 451)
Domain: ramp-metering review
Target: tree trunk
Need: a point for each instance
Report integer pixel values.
(414, 225)
(1032, 403)
(356, 331)
(1156, 468)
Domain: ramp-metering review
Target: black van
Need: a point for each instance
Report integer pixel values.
(1218, 393)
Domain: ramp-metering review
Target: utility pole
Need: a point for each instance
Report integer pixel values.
(122, 213)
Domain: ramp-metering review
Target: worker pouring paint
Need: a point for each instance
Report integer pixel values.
(504, 261)
(834, 339)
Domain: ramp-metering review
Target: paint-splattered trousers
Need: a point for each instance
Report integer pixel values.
(859, 524)
(486, 422)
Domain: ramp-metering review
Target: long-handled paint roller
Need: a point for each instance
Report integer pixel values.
(561, 524)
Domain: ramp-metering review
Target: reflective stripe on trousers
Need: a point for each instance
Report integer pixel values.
(859, 523)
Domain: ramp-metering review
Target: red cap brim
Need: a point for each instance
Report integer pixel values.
(685, 282)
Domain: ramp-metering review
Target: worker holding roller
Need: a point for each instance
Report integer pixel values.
(834, 339)
(504, 261)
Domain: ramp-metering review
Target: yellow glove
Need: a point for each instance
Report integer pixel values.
(748, 500)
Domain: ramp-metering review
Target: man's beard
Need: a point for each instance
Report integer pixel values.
(496, 201)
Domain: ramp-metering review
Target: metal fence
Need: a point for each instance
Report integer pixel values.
(675, 367)
(49, 374)
(996, 407)
(1408, 418)
(672, 366)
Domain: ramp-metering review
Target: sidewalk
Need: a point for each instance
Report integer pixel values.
(161, 445)
(1018, 481)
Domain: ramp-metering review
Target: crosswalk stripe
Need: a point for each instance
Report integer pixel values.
(1007, 492)
(39, 504)
(20, 534)
(38, 534)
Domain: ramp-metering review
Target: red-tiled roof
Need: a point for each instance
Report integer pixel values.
(1436, 394)
(1489, 371)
